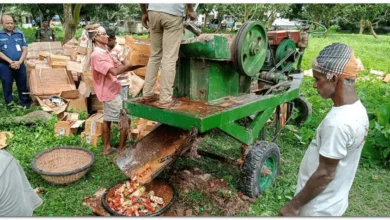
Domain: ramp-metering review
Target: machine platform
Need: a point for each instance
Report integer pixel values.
(187, 114)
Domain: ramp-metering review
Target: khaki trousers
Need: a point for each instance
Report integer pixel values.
(165, 34)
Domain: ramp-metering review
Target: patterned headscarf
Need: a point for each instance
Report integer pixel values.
(336, 60)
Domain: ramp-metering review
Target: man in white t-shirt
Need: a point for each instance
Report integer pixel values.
(329, 165)
(17, 197)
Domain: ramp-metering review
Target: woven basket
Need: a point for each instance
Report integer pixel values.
(63, 165)
(161, 188)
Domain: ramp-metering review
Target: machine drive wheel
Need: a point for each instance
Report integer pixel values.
(305, 110)
(249, 48)
(260, 168)
(284, 48)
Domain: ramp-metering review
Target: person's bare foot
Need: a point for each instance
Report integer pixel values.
(120, 150)
(108, 151)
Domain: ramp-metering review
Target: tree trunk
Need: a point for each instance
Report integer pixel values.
(68, 23)
(245, 13)
(71, 20)
(33, 16)
(40, 18)
(362, 24)
(372, 30)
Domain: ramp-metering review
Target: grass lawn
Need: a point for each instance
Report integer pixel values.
(369, 195)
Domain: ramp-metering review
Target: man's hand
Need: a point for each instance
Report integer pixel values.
(289, 210)
(15, 65)
(145, 20)
(192, 15)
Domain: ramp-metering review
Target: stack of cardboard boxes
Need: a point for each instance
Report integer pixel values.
(93, 129)
(64, 71)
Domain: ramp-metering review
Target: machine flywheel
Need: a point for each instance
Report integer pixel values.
(285, 47)
(249, 48)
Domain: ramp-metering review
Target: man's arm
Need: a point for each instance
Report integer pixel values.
(315, 185)
(123, 68)
(4, 57)
(145, 18)
(190, 12)
(24, 54)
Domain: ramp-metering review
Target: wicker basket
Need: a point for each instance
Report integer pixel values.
(63, 165)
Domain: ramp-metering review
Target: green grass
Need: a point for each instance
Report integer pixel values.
(369, 195)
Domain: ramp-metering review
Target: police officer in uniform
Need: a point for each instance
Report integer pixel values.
(13, 51)
(45, 33)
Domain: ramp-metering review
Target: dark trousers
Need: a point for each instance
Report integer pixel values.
(7, 76)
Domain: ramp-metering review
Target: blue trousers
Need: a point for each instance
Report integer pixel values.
(7, 76)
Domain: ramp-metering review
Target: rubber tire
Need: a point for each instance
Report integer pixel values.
(305, 110)
(253, 165)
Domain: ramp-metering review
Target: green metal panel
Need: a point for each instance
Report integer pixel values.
(182, 80)
(199, 79)
(223, 80)
(188, 120)
(247, 109)
(208, 47)
(177, 119)
(248, 135)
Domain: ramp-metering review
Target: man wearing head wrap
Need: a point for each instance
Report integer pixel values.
(329, 165)
(106, 86)
(117, 52)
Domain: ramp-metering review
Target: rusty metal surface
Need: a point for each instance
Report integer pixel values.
(149, 156)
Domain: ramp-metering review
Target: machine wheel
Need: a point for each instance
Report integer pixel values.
(260, 168)
(305, 110)
(249, 48)
(284, 48)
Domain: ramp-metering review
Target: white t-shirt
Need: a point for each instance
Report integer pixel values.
(17, 197)
(340, 135)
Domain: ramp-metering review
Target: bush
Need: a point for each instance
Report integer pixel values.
(29, 33)
(377, 147)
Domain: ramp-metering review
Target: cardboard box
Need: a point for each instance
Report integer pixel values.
(120, 40)
(94, 124)
(47, 108)
(74, 55)
(96, 105)
(140, 71)
(136, 84)
(46, 82)
(56, 60)
(84, 90)
(387, 78)
(68, 125)
(90, 139)
(42, 66)
(43, 55)
(69, 51)
(75, 66)
(139, 50)
(82, 50)
(87, 77)
(51, 47)
(5, 136)
(80, 58)
(72, 43)
(76, 102)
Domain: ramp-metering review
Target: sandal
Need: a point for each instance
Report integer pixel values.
(168, 104)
